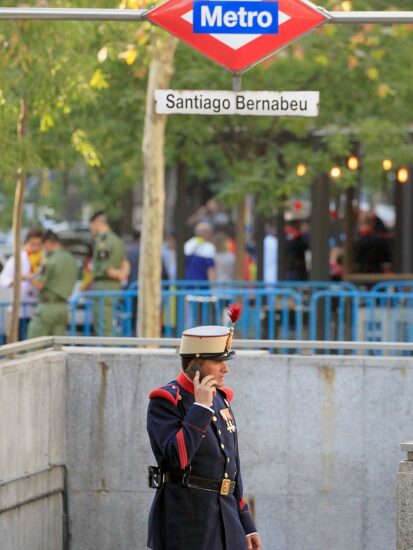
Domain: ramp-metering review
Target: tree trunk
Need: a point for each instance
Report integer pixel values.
(240, 240)
(126, 222)
(150, 267)
(349, 226)
(320, 228)
(13, 332)
(402, 257)
(282, 243)
(182, 231)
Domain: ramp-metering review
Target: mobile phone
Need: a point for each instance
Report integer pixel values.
(192, 370)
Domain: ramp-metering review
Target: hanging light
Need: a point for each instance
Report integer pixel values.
(387, 165)
(301, 169)
(335, 172)
(402, 175)
(353, 162)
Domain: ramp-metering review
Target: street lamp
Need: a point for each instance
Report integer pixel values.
(335, 172)
(387, 165)
(353, 162)
(402, 175)
(301, 170)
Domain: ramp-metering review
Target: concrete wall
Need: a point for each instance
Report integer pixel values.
(32, 431)
(405, 500)
(405, 506)
(319, 440)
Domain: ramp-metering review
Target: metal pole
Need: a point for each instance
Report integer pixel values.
(73, 14)
(90, 14)
(236, 82)
(381, 17)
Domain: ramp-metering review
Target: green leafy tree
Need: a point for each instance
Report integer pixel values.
(40, 80)
(363, 73)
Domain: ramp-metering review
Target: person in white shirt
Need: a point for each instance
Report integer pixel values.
(270, 257)
(31, 256)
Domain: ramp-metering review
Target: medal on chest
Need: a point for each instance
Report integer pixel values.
(229, 421)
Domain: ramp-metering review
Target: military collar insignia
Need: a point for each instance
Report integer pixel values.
(186, 383)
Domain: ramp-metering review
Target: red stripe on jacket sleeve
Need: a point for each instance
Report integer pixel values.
(242, 503)
(183, 456)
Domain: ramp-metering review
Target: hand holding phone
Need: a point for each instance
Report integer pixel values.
(204, 389)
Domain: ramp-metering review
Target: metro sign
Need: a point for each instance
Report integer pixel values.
(237, 33)
(212, 17)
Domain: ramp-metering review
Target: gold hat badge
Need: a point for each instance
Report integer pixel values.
(234, 313)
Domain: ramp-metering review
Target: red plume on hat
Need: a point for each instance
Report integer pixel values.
(234, 313)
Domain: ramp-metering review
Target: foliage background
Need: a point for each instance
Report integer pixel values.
(85, 84)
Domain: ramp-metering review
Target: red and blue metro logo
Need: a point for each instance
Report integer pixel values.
(223, 17)
(237, 33)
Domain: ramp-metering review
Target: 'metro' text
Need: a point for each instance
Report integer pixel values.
(235, 17)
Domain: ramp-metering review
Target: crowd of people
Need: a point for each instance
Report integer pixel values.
(49, 273)
(373, 248)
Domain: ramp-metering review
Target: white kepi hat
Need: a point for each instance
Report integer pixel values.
(208, 342)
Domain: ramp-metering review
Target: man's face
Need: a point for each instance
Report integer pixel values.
(34, 245)
(218, 369)
(49, 246)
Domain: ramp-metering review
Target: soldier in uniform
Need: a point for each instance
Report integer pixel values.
(110, 268)
(55, 281)
(199, 503)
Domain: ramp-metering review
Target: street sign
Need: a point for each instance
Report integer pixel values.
(237, 33)
(216, 102)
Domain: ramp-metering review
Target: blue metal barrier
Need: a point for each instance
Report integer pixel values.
(81, 308)
(4, 306)
(26, 310)
(393, 286)
(361, 316)
(295, 285)
(267, 314)
(328, 311)
(306, 289)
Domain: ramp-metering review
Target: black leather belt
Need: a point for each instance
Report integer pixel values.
(222, 486)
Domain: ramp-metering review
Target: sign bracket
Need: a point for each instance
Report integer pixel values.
(236, 82)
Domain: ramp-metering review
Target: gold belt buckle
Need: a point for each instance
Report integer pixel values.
(225, 487)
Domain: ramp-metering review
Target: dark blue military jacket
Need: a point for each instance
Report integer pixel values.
(183, 434)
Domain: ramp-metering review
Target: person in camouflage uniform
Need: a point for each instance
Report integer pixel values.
(110, 268)
(55, 281)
